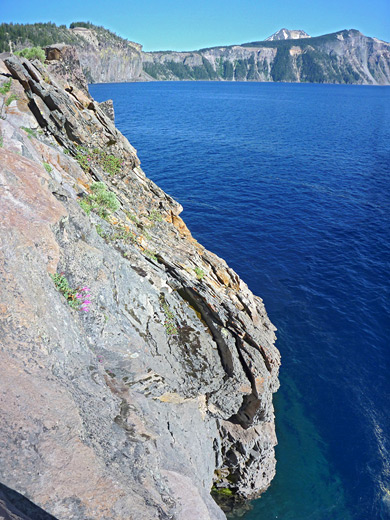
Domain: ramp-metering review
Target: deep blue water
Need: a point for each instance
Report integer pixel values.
(291, 185)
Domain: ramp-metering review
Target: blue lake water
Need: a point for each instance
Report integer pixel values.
(290, 183)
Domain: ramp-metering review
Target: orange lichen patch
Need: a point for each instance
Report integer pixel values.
(245, 389)
(223, 276)
(259, 382)
(180, 226)
(214, 283)
(86, 185)
(85, 101)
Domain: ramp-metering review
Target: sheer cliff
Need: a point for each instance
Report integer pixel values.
(105, 57)
(137, 368)
(288, 55)
(343, 57)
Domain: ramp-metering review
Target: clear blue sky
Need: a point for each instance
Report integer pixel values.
(191, 24)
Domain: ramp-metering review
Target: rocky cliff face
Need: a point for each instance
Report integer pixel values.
(105, 58)
(137, 367)
(290, 56)
(344, 57)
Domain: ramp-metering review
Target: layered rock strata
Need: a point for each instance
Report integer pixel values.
(346, 56)
(343, 57)
(135, 409)
(106, 58)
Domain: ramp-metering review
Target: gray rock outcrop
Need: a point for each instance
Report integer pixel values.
(135, 409)
(106, 58)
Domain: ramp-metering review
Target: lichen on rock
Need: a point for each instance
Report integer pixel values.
(164, 388)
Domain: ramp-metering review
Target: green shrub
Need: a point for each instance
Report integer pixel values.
(103, 197)
(84, 203)
(150, 254)
(222, 491)
(9, 100)
(101, 200)
(82, 158)
(199, 273)
(110, 163)
(77, 298)
(132, 217)
(100, 231)
(5, 87)
(96, 157)
(32, 53)
(170, 319)
(47, 167)
(120, 233)
(155, 216)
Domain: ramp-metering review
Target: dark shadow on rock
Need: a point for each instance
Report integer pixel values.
(14, 506)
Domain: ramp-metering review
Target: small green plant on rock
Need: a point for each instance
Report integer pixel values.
(100, 200)
(155, 216)
(29, 131)
(5, 87)
(48, 167)
(82, 158)
(88, 158)
(12, 97)
(199, 273)
(77, 298)
(99, 230)
(150, 254)
(131, 217)
(121, 233)
(222, 491)
(170, 319)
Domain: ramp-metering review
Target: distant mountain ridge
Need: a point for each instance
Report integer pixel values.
(346, 56)
(286, 34)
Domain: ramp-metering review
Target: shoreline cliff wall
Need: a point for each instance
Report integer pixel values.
(343, 57)
(346, 57)
(134, 401)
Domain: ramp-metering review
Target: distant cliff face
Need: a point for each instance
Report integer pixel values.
(344, 57)
(288, 55)
(286, 34)
(137, 368)
(108, 59)
(105, 57)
